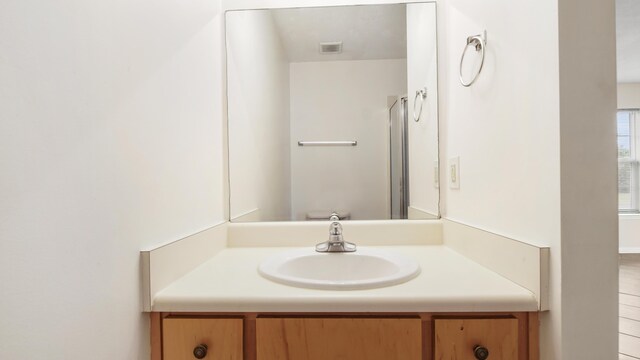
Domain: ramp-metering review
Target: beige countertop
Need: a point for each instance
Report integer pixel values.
(448, 282)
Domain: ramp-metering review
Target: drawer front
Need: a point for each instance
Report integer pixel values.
(338, 338)
(181, 337)
(456, 339)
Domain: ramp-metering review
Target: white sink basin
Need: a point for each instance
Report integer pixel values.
(363, 269)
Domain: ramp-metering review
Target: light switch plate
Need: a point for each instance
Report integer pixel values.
(436, 175)
(454, 173)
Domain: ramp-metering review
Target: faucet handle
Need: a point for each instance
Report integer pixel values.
(334, 216)
(335, 228)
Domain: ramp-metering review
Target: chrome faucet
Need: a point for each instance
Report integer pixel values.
(336, 242)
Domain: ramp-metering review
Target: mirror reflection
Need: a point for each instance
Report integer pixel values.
(333, 110)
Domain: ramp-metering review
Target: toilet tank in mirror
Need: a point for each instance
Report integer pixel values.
(332, 110)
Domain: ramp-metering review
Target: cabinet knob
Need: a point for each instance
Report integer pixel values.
(480, 352)
(200, 351)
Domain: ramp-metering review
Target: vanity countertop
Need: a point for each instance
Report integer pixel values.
(448, 282)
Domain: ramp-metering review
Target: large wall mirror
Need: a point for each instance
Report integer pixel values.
(333, 110)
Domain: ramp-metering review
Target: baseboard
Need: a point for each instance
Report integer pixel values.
(629, 250)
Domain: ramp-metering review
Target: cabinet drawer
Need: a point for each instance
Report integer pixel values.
(338, 338)
(222, 338)
(456, 339)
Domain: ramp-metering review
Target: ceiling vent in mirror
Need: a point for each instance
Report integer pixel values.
(331, 47)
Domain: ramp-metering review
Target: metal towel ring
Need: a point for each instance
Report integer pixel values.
(479, 42)
(423, 95)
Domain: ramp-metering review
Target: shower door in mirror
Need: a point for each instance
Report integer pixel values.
(398, 130)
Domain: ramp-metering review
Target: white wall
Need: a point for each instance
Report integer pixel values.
(343, 100)
(527, 144)
(588, 151)
(422, 70)
(258, 111)
(507, 142)
(110, 141)
(629, 98)
(629, 233)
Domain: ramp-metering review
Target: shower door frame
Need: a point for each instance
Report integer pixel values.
(402, 102)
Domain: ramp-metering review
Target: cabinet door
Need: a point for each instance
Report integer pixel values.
(338, 339)
(222, 338)
(456, 339)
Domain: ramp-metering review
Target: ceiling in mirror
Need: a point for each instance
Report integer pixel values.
(322, 110)
(301, 30)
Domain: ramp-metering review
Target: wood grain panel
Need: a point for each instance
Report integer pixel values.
(629, 306)
(534, 336)
(629, 286)
(156, 335)
(629, 327)
(223, 338)
(629, 312)
(338, 339)
(625, 357)
(631, 300)
(455, 339)
(630, 345)
(630, 272)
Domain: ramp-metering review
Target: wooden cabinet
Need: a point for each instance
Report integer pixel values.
(341, 336)
(495, 339)
(338, 338)
(211, 338)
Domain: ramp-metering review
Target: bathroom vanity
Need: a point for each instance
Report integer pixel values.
(456, 308)
(321, 336)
